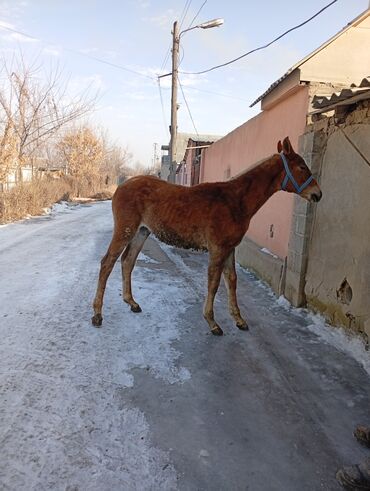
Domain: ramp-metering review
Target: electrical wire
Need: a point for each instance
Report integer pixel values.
(217, 93)
(182, 18)
(114, 65)
(185, 13)
(262, 47)
(162, 104)
(80, 53)
(228, 96)
(189, 26)
(182, 55)
(196, 15)
(191, 23)
(105, 62)
(187, 106)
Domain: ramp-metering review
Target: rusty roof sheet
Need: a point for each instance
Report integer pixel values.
(343, 98)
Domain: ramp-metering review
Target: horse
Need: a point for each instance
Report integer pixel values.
(211, 217)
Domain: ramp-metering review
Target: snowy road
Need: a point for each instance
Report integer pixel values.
(152, 401)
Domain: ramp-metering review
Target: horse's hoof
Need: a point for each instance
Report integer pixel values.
(136, 308)
(97, 320)
(217, 331)
(243, 326)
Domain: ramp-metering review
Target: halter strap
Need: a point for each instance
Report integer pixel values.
(289, 177)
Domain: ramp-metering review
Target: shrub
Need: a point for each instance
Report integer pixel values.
(32, 198)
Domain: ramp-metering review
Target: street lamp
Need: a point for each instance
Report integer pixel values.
(175, 61)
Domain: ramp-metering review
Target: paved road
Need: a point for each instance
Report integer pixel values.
(152, 401)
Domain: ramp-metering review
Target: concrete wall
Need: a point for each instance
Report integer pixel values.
(344, 60)
(311, 147)
(15, 176)
(165, 168)
(338, 252)
(251, 142)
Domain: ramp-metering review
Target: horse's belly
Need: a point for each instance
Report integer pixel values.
(184, 240)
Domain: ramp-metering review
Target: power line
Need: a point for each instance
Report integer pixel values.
(162, 104)
(262, 47)
(188, 108)
(191, 23)
(105, 62)
(80, 53)
(182, 55)
(185, 13)
(228, 96)
(114, 65)
(182, 18)
(217, 93)
(196, 15)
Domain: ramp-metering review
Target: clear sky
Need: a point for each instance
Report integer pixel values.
(136, 34)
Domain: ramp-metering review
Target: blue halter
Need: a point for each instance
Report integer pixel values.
(289, 177)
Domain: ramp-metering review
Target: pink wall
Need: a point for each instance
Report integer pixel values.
(251, 142)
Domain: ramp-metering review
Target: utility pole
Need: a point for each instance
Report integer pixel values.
(175, 63)
(174, 106)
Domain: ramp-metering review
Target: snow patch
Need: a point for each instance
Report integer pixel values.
(284, 302)
(148, 342)
(350, 344)
(67, 419)
(175, 258)
(61, 207)
(147, 259)
(267, 251)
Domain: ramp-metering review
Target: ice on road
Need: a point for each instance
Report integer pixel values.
(63, 412)
(151, 401)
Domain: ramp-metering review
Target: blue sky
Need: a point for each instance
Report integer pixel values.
(136, 34)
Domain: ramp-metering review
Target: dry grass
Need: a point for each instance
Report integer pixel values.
(31, 198)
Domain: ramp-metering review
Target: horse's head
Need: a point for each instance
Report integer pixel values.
(297, 177)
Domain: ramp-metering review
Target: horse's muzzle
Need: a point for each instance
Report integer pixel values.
(316, 196)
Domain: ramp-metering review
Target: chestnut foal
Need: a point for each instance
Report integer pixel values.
(211, 217)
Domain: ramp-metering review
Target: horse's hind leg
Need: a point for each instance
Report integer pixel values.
(115, 248)
(230, 282)
(128, 260)
(215, 267)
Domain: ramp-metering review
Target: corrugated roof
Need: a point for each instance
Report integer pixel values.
(343, 98)
(182, 142)
(313, 53)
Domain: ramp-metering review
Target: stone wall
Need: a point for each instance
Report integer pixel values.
(329, 251)
(311, 147)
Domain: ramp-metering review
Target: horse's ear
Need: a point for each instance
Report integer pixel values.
(287, 146)
(279, 146)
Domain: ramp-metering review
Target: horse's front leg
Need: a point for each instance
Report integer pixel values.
(116, 247)
(230, 278)
(215, 266)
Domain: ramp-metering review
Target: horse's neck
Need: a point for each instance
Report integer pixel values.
(257, 185)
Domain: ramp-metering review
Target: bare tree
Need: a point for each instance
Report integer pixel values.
(8, 151)
(140, 169)
(116, 163)
(36, 109)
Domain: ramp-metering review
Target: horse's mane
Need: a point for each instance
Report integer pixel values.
(252, 168)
